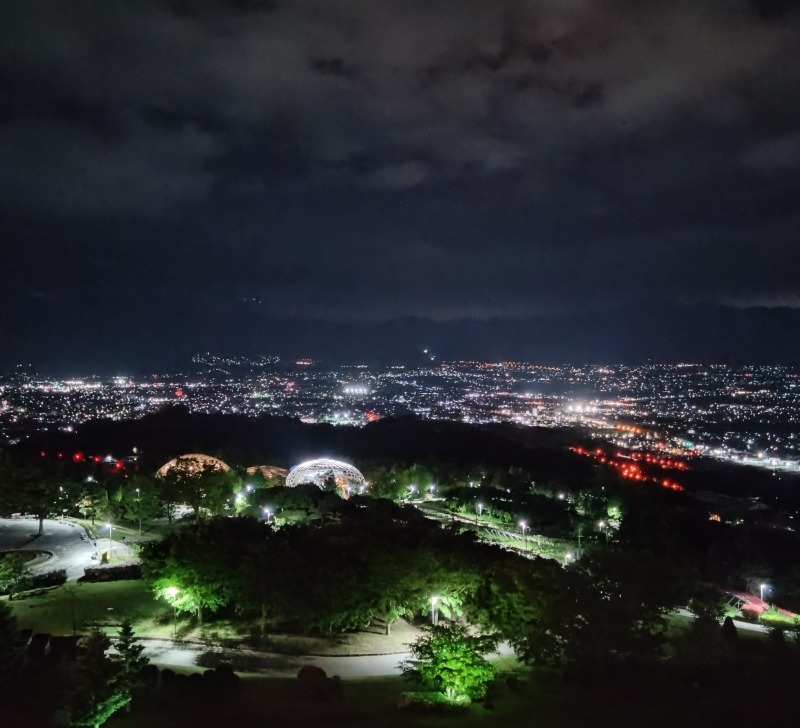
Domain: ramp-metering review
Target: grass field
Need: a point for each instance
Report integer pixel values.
(52, 611)
(107, 604)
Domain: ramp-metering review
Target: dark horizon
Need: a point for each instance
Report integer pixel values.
(706, 335)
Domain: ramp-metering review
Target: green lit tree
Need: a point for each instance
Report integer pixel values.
(189, 570)
(451, 660)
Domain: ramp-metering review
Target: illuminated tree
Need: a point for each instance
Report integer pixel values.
(451, 660)
(189, 569)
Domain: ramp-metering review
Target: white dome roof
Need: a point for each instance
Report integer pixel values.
(317, 471)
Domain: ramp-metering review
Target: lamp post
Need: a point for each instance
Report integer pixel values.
(478, 512)
(763, 586)
(267, 513)
(434, 611)
(110, 545)
(524, 526)
(172, 592)
(604, 527)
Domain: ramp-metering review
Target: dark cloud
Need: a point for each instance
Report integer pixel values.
(439, 159)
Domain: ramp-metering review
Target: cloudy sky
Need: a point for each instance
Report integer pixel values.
(171, 169)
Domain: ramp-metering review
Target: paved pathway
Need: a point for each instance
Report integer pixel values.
(61, 539)
(166, 653)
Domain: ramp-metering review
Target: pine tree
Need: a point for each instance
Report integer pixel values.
(129, 657)
(97, 691)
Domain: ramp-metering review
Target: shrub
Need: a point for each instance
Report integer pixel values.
(57, 577)
(113, 572)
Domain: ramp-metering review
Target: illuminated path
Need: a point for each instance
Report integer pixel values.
(166, 653)
(61, 540)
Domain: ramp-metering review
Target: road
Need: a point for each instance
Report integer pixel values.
(61, 540)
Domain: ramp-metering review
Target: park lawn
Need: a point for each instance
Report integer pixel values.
(95, 604)
(537, 699)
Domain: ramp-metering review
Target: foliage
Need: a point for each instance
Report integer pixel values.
(451, 660)
(12, 647)
(129, 657)
(96, 690)
(608, 606)
(32, 487)
(54, 577)
(184, 569)
(140, 500)
(14, 574)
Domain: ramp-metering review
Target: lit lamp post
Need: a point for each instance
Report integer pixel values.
(763, 586)
(434, 611)
(172, 592)
(604, 527)
(413, 489)
(110, 544)
(567, 558)
(478, 512)
(431, 488)
(524, 527)
(267, 513)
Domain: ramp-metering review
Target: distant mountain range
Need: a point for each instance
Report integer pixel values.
(626, 335)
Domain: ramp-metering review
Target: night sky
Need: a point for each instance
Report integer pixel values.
(555, 179)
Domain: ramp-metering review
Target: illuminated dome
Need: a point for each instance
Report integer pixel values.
(192, 463)
(318, 471)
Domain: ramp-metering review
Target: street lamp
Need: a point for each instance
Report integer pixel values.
(567, 558)
(267, 513)
(431, 488)
(110, 545)
(434, 611)
(524, 526)
(479, 512)
(763, 586)
(172, 592)
(413, 489)
(604, 527)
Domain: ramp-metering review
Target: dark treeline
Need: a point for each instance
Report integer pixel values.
(284, 441)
